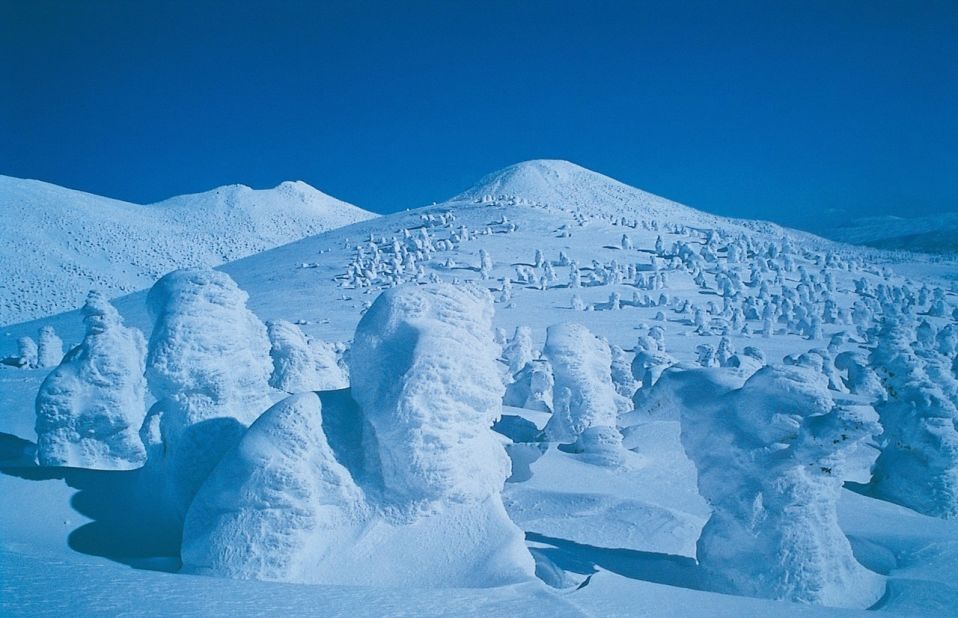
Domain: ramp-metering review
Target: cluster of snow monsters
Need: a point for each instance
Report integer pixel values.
(323, 484)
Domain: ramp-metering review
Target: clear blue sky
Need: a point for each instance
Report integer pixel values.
(789, 111)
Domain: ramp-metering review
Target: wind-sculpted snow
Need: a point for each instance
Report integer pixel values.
(208, 367)
(396, 484)
(58, 243)
(769, 458)
(90, 408)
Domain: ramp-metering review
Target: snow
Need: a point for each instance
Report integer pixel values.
(615, 539)
(770, 458)
(415, 470)
(90, 408)
(208, 367)
(300, 365)
(58, 243)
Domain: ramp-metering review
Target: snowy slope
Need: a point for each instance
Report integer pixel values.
(633, 529)
(931, 234)
(56, 243)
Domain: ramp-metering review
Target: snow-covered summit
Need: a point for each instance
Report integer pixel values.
(57, 243)
(565, 185)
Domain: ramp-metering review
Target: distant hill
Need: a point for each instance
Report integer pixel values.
(56, 243)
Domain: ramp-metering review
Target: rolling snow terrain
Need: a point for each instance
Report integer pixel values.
(58, 243)
(551, 394)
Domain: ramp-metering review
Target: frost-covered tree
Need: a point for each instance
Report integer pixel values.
(27, 353)
(485, 264)
(519, 350)
(918, 463)
(208, 366)
(49, 348)
(90, 408)
(769, 457)
(291, 503)
(582, 363)
(532, 387)
(300, 365)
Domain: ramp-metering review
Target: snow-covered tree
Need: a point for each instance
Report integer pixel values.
(49, 348)
(918, 463)
(582, 363)
(208, 366)
(519, 350)
(769, 457)
(300, 365)
(285, 504)
(27, 353)
(90, 408)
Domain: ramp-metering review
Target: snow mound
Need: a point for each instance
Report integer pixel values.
(90, 408)
(396, 484)
(58, 243)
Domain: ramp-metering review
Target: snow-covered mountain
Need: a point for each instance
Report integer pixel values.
(928, 234)
(612, 486)
(57, 244)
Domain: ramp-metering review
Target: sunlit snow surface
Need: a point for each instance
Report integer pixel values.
(607, 540)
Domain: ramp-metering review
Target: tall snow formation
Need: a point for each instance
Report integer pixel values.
(208, 367)
(27, 353)
(582, 366)
(49, 348)
(424, 373)
(769, 457)
(918, 463)
(300, 365)
(394, 483)
(90, 408)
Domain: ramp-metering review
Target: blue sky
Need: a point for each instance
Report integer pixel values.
(801, 112)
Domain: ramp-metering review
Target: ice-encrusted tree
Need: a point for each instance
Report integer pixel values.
(301, 365)
(400, 488)
(769, 457)
(519, 350)
(918, 463)
(27, 352)
(90, 408)
(208, 366)
(582, 364)
(49, 348)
